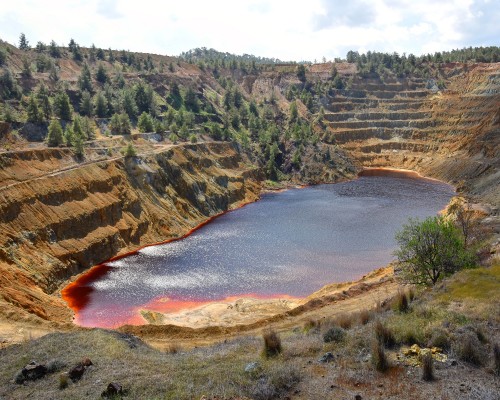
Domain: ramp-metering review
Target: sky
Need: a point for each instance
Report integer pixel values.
(289, 30)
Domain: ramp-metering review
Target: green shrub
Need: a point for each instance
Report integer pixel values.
(335, 334)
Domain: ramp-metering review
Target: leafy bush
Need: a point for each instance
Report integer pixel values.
(334, 334)
(430, 250)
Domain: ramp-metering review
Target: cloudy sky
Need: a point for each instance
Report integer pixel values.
(285, 29)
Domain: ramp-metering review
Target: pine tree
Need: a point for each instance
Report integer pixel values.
(101, 106)
(101, 75)
(23, 42)
(54, 50)
(85, 79)
(34, 114)
(62, 106)
(44, 101)
(55, 134)
(86, 107)
(68, 135)
(26, 72)
(145, 123)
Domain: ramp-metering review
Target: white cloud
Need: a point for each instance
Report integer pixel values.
(289, 30)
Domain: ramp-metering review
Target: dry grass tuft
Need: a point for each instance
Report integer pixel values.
(384, 335)
(272, 344)
(63, 381)
(312, 326)
(469, 349)
(379, 358)
(496, 359)
(427, 367)
(173, 348)
(401, 302)
(345, 321)
(365, 316)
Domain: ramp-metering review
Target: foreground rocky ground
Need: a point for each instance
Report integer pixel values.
(326, 356)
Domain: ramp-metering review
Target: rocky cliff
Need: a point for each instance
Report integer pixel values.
(58, 219)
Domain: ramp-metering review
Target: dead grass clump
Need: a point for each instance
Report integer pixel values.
(401, 303)
(275, 382)
(173, 348)
(496, 359)
(379, 358)
(365, 316)
(384, 335)
(335, 334)
(272, 344)
(427, 367)
(469, 349)
(345, 321)
(63, 381)
(312, 326)
(440, 338)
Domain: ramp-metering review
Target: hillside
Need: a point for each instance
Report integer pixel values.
(153, 146)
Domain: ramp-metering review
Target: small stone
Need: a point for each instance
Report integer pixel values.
(358, 397)
(75, 373)
(113, 389)
(327, 357)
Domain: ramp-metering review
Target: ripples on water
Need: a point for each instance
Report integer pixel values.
(292, 243)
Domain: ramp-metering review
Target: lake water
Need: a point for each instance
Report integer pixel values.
(288, 243)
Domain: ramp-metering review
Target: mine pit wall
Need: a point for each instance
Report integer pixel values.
(54, 227)
(452, 135)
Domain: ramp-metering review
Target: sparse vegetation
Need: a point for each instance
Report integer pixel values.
(335, 334)
(427, 367)
(378, 356)
(272, 344)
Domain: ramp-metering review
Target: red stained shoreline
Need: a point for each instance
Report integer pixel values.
(77, 293)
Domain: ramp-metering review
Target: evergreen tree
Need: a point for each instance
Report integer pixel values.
(87, 128)
(85, 79)
(100, 54)
(128, 104)
(191, 101)
(68, 135)
(126, 128)
(301, 73)
(86, 107)
(145, 123)
(130, 150)
(62, 106)
(54, 50)
(23, 42)
(114, 124)
(26, 72)
(111, 57)
(34, 114)
(294, 114)
(9, 89)
(77, 126)
(40, 47)
(101, 74)
(78, 146)
(101, 106)
(55, 134)
(54, 74)
(92, 53)
(44, 101)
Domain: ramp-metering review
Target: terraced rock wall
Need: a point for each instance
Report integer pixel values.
(451, 134)
(57, 220)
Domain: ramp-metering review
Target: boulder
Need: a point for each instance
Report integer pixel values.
(33, 371)
(112, 390)
(76, 373)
